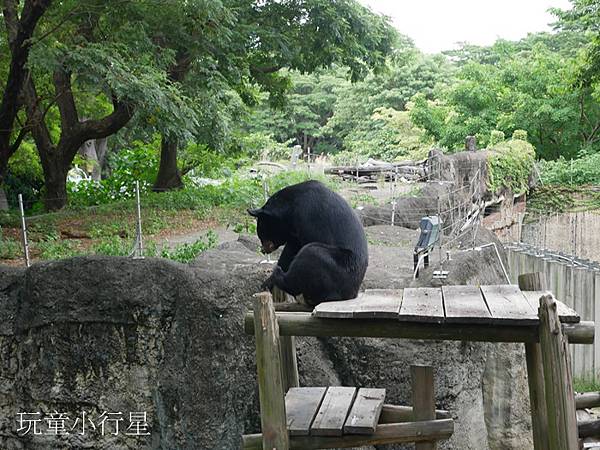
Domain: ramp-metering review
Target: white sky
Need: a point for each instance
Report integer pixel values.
(436, 25)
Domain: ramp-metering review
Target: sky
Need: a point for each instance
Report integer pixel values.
(437, 25)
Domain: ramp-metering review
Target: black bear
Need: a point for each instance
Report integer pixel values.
(325, 255)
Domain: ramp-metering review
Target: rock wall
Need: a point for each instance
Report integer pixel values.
(100, 334)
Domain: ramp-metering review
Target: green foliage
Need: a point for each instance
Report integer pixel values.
(551, 198)
(262, 146)
(9, 248)
(24, 175)
(574, 172)
(52, 247)
(186, 253)
(497, 136)
(510, 165)
(113, 246)
(136, 163)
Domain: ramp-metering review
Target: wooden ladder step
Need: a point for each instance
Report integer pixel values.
(365, 412)
(333, 411)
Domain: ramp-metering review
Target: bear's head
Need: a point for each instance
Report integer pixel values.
(271, 230)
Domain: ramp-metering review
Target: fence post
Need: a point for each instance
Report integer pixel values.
(270, 384)
(287, 351)
(535, 371)
(138, 251)
(562, 422)
(423, 399)
(24, 231)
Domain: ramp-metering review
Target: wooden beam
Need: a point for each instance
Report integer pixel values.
(270, 384)
(423, 399)
(395, 414)
(303, 324)
(562, 422)
(385, 434)
(587, 400)
(287, 349)
(535, 371)
(589, 429)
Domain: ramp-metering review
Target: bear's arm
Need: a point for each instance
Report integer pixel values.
(288, 254)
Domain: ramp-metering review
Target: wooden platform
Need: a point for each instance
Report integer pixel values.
(493, 304)
(333, 411)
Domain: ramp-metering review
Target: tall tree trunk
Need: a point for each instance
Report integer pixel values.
(19, 30)
(168, 176)
(55, 176)
(57, 158)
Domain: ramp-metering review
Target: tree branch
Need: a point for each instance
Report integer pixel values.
(64, 99)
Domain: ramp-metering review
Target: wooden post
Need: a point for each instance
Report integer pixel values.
(268, 365)
(562, 422)
(423, 399)
(287, 351)
(535, 371)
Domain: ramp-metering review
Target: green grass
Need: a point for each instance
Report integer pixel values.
(586, 384)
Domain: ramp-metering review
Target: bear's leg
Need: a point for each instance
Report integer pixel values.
(318, 272)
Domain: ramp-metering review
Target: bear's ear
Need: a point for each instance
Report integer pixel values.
(255, 212)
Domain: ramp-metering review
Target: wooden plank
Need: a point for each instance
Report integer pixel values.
(535, 369)
(562, 423)
(301, 406)
(333, 411)
(507, 303)
(465, 304)
(385, 434)
(304, 324)
(566, 314)
(268, 365)
(365, 412)
(423, 399)
(336, 310)
(287, 349)
(378, 303)
(422, 305)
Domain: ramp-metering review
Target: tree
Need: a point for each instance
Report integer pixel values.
(19, 31)
(266, 37)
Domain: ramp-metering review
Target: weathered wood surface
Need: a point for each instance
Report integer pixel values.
(423, 399)
(422, 305)
(465, 304)
(333, 411)
(376, 303)
(301, 406)
(497, 304)
(304, 324)
(566, 314)
(385, 434)
(587, 400)
(562, 423)
(535, 370)
(270, 383)
(506, 302)
(379, 303)
(365, 412)
(287, 347)
(396, 413)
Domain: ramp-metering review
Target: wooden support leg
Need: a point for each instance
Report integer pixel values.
(537, 396)
(423, 399)
(270, 385)
(535, 371)
(562, 422)
(287, 351)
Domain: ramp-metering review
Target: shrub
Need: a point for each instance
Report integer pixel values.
(186, 253)
(574, 172)
(520, 135)
(510, 165)
(496, 137)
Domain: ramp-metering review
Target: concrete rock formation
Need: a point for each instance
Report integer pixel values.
(100, 334)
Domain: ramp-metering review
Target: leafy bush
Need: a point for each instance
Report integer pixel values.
(113, 246)
(261, 145)
(496, 137)
(137, 163)
(9, 248)
(24, 175)
(574, 172)
(510, 165)
(186, 253)
(52, 247)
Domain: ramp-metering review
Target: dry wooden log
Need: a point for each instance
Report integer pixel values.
(587, 400)
(304, 324)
